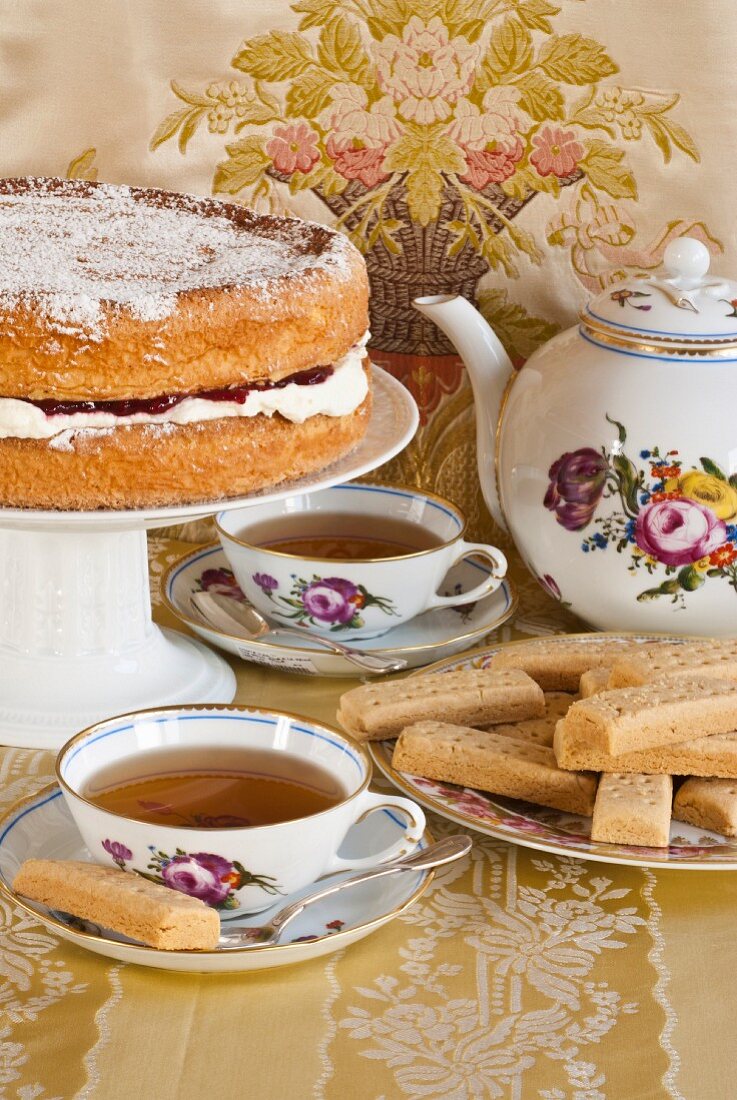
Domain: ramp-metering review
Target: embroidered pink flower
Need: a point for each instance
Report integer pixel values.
(491, 165)
(292, 148)
(349, 118)
(678, 532)
(426, 70)
(557, 152)
(357, 163)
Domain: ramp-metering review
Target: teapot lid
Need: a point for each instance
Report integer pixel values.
(683, 311)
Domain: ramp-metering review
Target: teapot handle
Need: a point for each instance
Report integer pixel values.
(489, 368)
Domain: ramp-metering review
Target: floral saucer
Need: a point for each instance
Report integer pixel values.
(549, 830)
(41, 827)
(430, 637)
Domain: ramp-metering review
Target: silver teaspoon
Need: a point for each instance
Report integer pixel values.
(444, 851)
(228, 616)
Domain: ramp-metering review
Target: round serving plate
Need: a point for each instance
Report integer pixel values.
(77, 641)
(430, 637)
(537, 826)
(41, 827)
(393, 423)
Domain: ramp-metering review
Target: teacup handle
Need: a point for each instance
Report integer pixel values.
(369, 803)
(498, 564)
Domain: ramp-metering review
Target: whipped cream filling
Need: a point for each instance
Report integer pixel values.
(339, 394)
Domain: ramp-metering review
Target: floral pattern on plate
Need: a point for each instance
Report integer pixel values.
(675, 523)
(537, 826)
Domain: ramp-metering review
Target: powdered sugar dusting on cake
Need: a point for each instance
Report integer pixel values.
(72, 250)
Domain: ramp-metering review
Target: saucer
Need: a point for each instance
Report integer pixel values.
(549, 830)
(41, 827)
(430, 637)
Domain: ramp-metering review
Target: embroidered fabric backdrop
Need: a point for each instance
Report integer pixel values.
(522, 151)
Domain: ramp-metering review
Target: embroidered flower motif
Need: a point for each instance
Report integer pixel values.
(557, 152)
(425, 71)
(293, 148)
(357, 162)
(349, 118)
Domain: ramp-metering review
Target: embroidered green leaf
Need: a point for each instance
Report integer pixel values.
(534, 13)
(540, 97)
(185, 121)
(389, 17)
(424, 154)
(575, 59)
(520, 332)
(525, 242)
(83, 167)
(466, 17)
(309, 93)
(497, 253)
(509, 52)
(664, 131)
(603, 166)
(585, 114)
(246, 161)
(341, 51)
(315, 13)
(195, 99)
(712, 468)
(278, 55)
(323, 178)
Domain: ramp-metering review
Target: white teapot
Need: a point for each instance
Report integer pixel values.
(611, 456)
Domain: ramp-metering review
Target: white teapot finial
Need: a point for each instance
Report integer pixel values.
(686, 260)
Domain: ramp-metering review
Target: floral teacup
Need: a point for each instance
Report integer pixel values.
(235, 869)
(360, 597)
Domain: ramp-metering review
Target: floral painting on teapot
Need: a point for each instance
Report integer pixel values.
(677, 524)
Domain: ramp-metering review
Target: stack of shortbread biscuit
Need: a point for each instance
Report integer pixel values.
(544, 717)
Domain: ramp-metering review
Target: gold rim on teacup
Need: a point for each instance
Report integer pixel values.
(219, 708)
(459, 515)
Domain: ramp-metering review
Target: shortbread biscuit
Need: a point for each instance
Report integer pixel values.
(594, 681)
(558, 665)
(716, 658)
(492, 762)
(538, 731)
(471, 697)
(630, 719)
(633, 809)
(715, 755)
(121, 901)
(708, 804)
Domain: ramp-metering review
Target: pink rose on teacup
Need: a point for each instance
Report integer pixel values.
(331, 600)
(201, 875)
(678, 532)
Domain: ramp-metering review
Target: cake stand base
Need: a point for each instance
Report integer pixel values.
(73, 693)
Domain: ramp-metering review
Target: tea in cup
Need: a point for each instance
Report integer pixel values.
(238, 807)
(351, 561)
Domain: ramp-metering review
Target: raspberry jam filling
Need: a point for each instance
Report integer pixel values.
(152, 406)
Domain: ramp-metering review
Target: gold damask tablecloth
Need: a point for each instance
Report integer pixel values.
(517, 976)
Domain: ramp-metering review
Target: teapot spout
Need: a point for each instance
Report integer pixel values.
(489, 368)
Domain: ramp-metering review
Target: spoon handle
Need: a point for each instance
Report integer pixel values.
(366, 661)
(444, 851)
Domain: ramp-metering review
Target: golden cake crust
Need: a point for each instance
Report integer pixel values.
(145, 466)
(192, 293)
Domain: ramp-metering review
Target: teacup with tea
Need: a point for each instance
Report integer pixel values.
(238, 807)
(353, 560)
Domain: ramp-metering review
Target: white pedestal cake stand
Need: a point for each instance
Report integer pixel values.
(77, 642)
